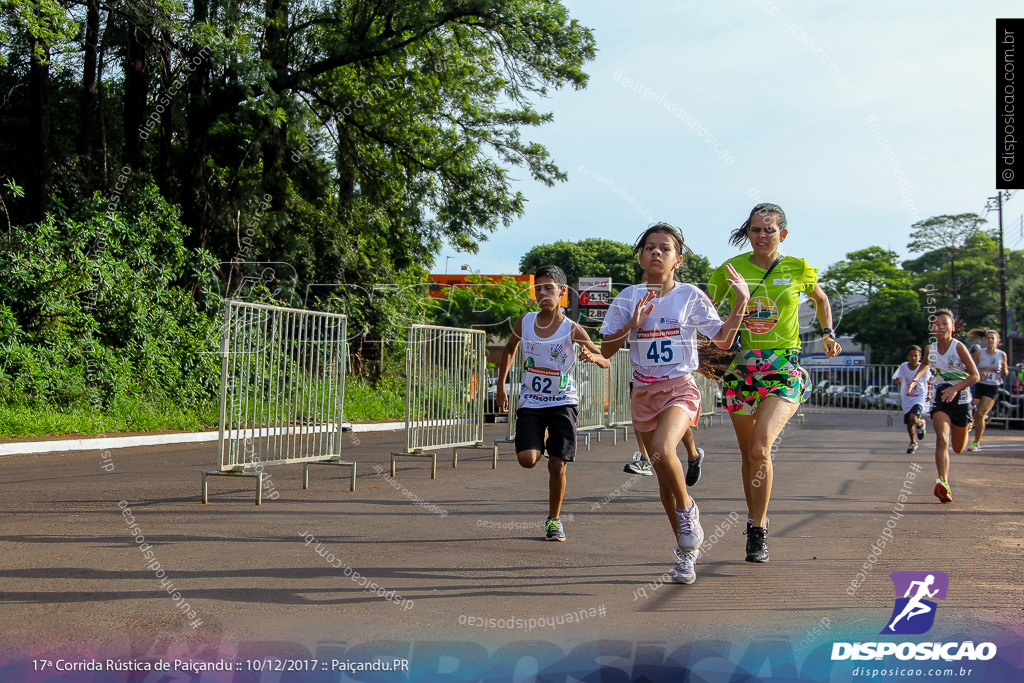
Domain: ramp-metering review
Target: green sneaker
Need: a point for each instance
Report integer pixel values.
(554, 530)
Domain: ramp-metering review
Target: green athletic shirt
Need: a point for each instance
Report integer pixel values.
(772, 319)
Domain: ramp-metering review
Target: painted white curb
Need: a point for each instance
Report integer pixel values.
(108, 442)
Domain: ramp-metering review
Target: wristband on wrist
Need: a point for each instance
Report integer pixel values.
(828, 332)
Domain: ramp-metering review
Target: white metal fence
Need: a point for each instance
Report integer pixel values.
(861, 387)
(620, 373)
(446, 371)
(515, 383)
(282, 391)
(592, 387)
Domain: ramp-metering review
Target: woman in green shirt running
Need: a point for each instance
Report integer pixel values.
(764, 384)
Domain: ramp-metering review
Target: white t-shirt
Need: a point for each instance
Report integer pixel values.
(665, 346)
(903, 375)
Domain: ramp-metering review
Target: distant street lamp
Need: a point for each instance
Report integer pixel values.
(446, 259)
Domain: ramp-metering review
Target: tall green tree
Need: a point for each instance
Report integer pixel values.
(598, 257)
(866, 272)
(950, 234)
(976, 298)
(347, 139)
(492, 306)
(891, 315)
(888, 323)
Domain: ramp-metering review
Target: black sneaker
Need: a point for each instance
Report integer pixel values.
(757, 544)
(912, 447)
(693, 468)
(920, 432)
(750, 523)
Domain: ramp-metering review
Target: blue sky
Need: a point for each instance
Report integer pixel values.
(857, 118)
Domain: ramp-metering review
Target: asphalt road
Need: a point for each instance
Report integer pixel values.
(460, 559)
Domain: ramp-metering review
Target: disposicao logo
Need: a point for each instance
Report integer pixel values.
(912, 614)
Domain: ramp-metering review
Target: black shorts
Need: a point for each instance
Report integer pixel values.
(560, 424)
(960, 414)
(916, 411)
(985, 390)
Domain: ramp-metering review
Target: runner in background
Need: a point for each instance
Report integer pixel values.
(992, 366)
(955, 372)
(915, 404)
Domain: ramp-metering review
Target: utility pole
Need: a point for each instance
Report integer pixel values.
(1002, 276)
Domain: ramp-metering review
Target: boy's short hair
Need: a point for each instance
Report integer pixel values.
(553, 272)
(912, 347)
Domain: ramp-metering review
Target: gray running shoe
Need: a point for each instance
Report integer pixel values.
(683, 571)
(691, 534)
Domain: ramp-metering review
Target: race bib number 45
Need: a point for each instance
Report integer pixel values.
(660, 352)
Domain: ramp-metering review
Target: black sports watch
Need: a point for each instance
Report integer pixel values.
(828, 332)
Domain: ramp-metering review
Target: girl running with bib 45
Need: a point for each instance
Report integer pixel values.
(955, 372)
(660, 318)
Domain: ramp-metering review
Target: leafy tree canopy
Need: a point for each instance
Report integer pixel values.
(597, 257)
(865, 272)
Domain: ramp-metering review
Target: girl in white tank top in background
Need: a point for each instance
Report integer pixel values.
(993, 368)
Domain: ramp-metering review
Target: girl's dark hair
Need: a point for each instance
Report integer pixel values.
(982, 332)
(677, 237)
(958, 323)
(553, 272)
(739, 235)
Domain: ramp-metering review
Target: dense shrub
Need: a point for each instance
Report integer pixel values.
(104, 303)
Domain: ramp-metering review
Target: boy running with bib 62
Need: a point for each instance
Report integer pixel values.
(548, 401)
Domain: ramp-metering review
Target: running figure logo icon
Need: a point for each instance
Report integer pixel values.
(914, 613)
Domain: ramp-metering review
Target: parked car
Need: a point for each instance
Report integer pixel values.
(818, 393)
(491, 396)
(846, 396)
(828, 398)
(889, 398)
(869, 397)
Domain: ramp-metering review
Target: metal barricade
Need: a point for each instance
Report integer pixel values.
(282, 391)
(708, 399)
(864, 387)
(515, 383)
(592, 387)
(445, 371)
(620, 373)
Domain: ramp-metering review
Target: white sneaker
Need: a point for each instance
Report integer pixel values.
(683, 571)
(691, 534)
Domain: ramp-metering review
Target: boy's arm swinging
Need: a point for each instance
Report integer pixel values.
(507, 354)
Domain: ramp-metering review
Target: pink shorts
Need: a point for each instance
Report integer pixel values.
(649, 401)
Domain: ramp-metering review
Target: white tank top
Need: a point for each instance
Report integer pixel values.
(547, 367)
(990, 366)
(948, 368)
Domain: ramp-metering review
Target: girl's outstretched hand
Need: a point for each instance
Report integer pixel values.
(643, 309)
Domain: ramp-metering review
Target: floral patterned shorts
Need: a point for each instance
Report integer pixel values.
(756, 374)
